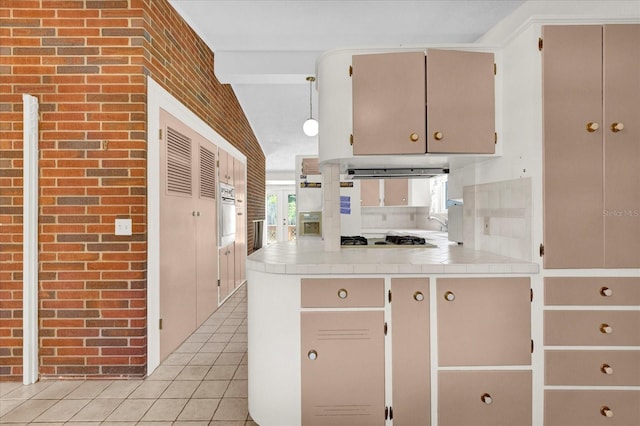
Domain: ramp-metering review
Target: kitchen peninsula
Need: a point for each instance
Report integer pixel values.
(362, 322)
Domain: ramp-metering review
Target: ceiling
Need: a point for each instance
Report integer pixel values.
(265, 49)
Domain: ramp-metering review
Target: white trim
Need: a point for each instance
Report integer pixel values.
(158, 98)
(30, 241)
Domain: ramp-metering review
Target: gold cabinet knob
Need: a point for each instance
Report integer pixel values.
(606, 329)
(616, 127)
(312, 355)
(606, 411)
(606, 292)
(449, 296)
(606, 369)
(414, 137)
(592, 126)
(486, 398)
(342, 293)
(438, 136)
(418, 296)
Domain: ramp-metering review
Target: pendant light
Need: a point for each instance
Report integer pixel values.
(310, 127)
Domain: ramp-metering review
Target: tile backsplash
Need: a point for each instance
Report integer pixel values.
(394, 217)
(497, 218)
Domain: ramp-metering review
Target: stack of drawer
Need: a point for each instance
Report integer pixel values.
(592, 351)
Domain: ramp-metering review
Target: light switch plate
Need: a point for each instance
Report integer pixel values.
(123, 226)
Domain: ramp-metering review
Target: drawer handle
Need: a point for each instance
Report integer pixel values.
(438, 136)
(449, 296)
(486, 398)
(616, 127)
(592, 126)
(413, 137)
(606, 292)
(312, 355)
(606, 411)
(418, 296)
(343, 293)
(606, 329)
(606, 369)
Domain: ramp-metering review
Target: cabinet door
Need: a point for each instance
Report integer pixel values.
(410, 347)
(389, 103)
(226, 256)
(206, 235)
(370, 192)
(621, 146)
(592, 368)
(225, 167)
(342, 356)
(396, 192)
(572, 107)
(241, 222)
(484, 321)
(592, 328)
(484, 398)
(460, 102)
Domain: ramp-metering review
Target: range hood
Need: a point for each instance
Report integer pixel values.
(391, 173)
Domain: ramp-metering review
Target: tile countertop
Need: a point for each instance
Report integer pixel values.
(309, 257)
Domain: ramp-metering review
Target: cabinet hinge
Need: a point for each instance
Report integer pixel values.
(541, 250)
(350, 70)
(531, 294)
(160, 134)
(386, 413)
(495, 69)
(385, 328)
(531, 345)
(218, 163)
(540, 43)
(218, 283)
(160, 324)
(495, 138)
(351, 139)
(389, 296)
(390, 413)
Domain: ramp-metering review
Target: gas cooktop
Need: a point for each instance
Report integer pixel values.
(388, 241)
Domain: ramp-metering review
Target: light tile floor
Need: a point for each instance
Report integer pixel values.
(204, 382)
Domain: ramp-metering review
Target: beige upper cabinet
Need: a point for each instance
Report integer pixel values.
(404, 103)
(225, 164)
(396, 192)
(389, 103)
(370, 192)
(591, 155)
(460, 102)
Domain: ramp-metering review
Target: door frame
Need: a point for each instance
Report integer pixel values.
(282, 192)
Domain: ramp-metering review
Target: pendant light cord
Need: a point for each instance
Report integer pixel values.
(310, 79)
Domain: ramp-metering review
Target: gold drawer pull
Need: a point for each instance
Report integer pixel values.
(418, 296)
(414, 137)
(486, 398)
(343, 293)
(592, 126)
(606, 411)
(449, 296)
(438, 136)
(606, 329)
(606, 369)
(616, 127)
(606, 292)
(312, 355)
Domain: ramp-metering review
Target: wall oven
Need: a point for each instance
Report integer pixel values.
(227, 215)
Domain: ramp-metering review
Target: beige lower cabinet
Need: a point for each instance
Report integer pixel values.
(570, 335)
(410, 346)
(591, 407)
(484, 321)
(226, 258)
(484, 398)
(342, 368)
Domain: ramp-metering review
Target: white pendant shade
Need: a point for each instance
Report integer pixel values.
(310, 127)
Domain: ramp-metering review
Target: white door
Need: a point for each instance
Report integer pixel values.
(281, 215)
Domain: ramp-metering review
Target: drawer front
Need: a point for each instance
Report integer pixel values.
(592, 368)
(342, 293)
(591, 408)
(484, 398)
(597, 291)
(592, 328)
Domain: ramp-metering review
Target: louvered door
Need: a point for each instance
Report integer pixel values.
(188, 232)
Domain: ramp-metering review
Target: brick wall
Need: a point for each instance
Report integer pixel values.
(87, 62)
